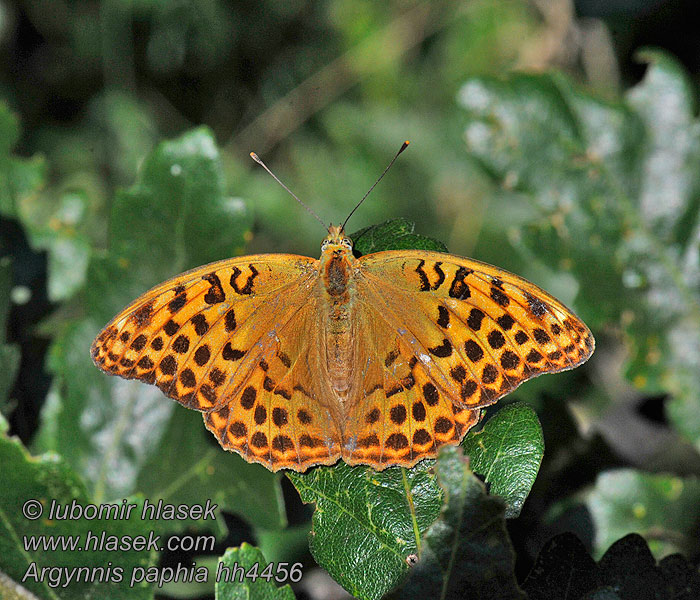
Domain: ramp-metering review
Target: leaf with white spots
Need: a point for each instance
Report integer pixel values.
(663, 507)
(613, 189)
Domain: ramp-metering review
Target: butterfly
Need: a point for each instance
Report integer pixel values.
(377, 360)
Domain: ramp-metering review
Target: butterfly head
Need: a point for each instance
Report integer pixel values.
(336, 242)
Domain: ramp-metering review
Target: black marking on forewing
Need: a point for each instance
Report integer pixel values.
(424, 282)
(537, 307)
(441, 275)
(215, 294)
(443, 317)
(247, 288)
(459, 288)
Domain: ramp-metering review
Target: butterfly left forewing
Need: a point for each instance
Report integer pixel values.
(225, 339)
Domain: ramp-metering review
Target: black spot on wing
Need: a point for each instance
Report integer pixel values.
(231, 353)
(177, 302)
(443, 350)
(143, 315)
(440, 273)
(200, 324)
(476, 316)
(215, 294)
(537, 307)
(443, 317)
(499, 297)
(230, 321)
(505, 321)
(459, 288)
(424, 282)
(247, 287)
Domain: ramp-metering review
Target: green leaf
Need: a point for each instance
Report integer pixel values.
(49, 480)
(181, 187)
(662, 508)
(60, 225)
(507, 452)
(395, 234)
(466, 553)
(175, 217)
(367, 524)
(594, 173)
(240, 578)
(210, 473)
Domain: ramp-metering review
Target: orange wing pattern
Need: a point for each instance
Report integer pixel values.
(233, 339)
(448, 336)
(434, 337)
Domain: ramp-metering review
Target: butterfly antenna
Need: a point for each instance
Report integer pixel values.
(403, 147)
(256, 158)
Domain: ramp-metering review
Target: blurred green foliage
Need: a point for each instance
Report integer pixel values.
(126, 128)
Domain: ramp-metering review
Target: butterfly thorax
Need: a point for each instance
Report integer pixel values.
(336, 268)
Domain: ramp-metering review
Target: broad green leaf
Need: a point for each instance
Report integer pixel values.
(209, 473)
(49, 481)
(507, 452)
(466, 553)
(367, 524)
(175, 217)
(124, 436)
(396, 234)
(239, 576)
(613, 189)
(663, 508)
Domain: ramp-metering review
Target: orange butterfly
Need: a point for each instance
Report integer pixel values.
(378, 360)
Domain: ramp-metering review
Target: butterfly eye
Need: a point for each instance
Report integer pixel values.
(324, 245)
(347, 242)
